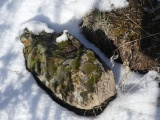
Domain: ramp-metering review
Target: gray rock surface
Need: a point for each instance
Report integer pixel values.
(68, 69)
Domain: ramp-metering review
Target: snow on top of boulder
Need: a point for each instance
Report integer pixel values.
(36, 27)
(108, 5)
(63, 37)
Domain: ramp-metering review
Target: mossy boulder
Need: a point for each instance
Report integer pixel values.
(71, 74)
(131, 32)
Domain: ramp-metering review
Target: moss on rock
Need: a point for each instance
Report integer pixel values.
(71, 71)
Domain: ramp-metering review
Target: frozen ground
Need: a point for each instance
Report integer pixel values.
(22, 99)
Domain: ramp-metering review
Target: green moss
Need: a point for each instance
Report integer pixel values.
(67, 86)
(52, 70)
(62, 88)
(56, 52)
(75, 63)
(84, 95)
(63, 68)
(120, 31)
(89, 67)
(90, 85)
(70, 86)
(90, 53)
(65, 81)
(55, 85)
(91, 56)
(63, 44)
(32, 63)
(77, 80)
(79, 52)
(97, 76)
(36, 56)
(51, 66)
(117, 32)
(62, 73)
(133, 35)
(94, 74)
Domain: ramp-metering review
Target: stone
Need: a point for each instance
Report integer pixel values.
(132, 33)
(71, 74)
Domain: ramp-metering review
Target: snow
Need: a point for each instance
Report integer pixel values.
(63, 37)
(108, 5)
(20, 96)
(36, 27)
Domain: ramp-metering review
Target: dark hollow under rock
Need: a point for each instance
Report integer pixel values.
(133, 31)
(70, 73)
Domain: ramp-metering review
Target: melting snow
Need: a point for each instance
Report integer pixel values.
(63, 37)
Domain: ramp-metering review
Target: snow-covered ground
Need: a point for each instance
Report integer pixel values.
(22, 99)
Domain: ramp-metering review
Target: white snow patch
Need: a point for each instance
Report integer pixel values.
(63, 37)
(108, 5)
(36, 27)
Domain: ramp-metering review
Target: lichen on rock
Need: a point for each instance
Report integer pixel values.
(71, 71)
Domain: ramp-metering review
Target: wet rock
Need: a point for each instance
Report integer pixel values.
(131, 32)
(69, 72)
